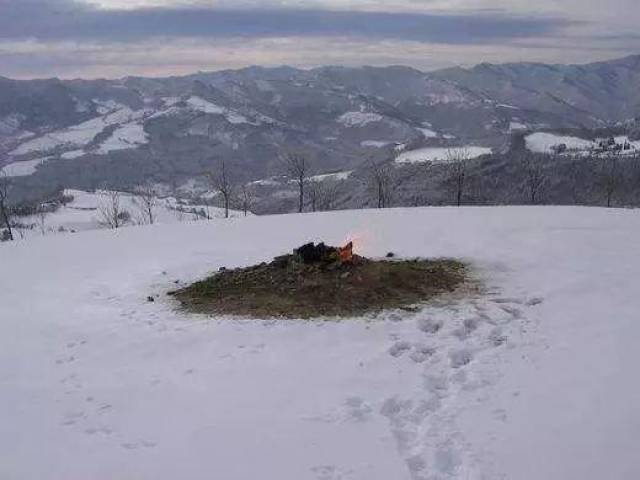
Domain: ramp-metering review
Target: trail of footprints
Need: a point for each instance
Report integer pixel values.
(450, 339)
(89, 415)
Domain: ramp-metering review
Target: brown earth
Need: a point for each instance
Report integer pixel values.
(290, 288)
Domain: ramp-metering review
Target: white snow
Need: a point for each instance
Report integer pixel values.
(78, 135)
(201, 104)
(510, 107)
(515, 126)
(440, 154)
(534, 379)
(428, 133)
(267, 182)
(23, 169)
(331, 176)
(541, 142)
(375, 143)
(72, 154)
(359, 119)
(83, 213)
(129, 135)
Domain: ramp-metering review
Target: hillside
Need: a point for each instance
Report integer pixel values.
(120, 133)
(532, 379)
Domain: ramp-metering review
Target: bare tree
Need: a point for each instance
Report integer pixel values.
(535, 176)
(322, 195)
(246, 199)
(296, 165)
(315, 195)
(146, 201)
(609, 177)
(222, 184)
(112, 215)
(381, 180)
(42, 219)
(457, 169)
(5, 211)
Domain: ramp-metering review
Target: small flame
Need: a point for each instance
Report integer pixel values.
(346, 253)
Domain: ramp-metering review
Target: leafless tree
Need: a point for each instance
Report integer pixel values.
(381, 181)
(535, 176)
(221, 183)
(112, 215)
(146, 201)
(297, 168)
(322, 195)
(42, 219)
(609, 177)
(315, 195)
(5, 210)
(457, 169)
(246, 199)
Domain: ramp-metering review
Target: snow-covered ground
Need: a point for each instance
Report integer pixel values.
(82, 134)
(440, 154)
(22, 169)
(359, 119)
(337, 176)
(535, 379)
(84, 213)
(542, 142)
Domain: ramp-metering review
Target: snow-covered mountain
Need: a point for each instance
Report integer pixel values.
(533, 378)
(119, 133)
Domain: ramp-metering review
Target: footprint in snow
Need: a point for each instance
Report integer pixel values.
(399, 348)
(460, 358)
(421, 353)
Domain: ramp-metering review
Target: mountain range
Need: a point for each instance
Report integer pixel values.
(174, 131)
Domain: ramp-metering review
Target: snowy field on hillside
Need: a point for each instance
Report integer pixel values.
(440, 154)
(82, 134)
(542, 142)
(23, 169)
(535, 379)
(84, 213)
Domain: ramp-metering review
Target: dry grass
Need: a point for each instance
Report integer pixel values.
(287, 288)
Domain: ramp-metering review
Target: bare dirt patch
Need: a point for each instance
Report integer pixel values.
(309, 286)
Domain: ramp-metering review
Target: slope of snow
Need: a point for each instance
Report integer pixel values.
(72, 154)
(201, 104)
(440, 154)
(375, 143)
(23, 169)
(83, 213)
(129, 135)
(79, 135)
(534, 379)
(428, 133)
(359, 119)
(541, 142)
(331, 176)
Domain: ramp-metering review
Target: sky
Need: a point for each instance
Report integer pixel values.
(116, 38)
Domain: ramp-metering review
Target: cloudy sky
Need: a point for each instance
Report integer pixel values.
(114, 38)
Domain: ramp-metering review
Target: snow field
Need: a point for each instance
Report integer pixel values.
(440, 154)
(531, 379)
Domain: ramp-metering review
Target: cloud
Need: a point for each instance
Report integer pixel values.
(101, 38)
(62, 20)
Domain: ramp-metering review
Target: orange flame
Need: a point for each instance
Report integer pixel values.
(346, 253)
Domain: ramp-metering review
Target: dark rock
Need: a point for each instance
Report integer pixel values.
(311, 253)
(391, 255)
(150, 299)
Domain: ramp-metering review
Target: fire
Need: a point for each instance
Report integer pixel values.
(346, 253)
